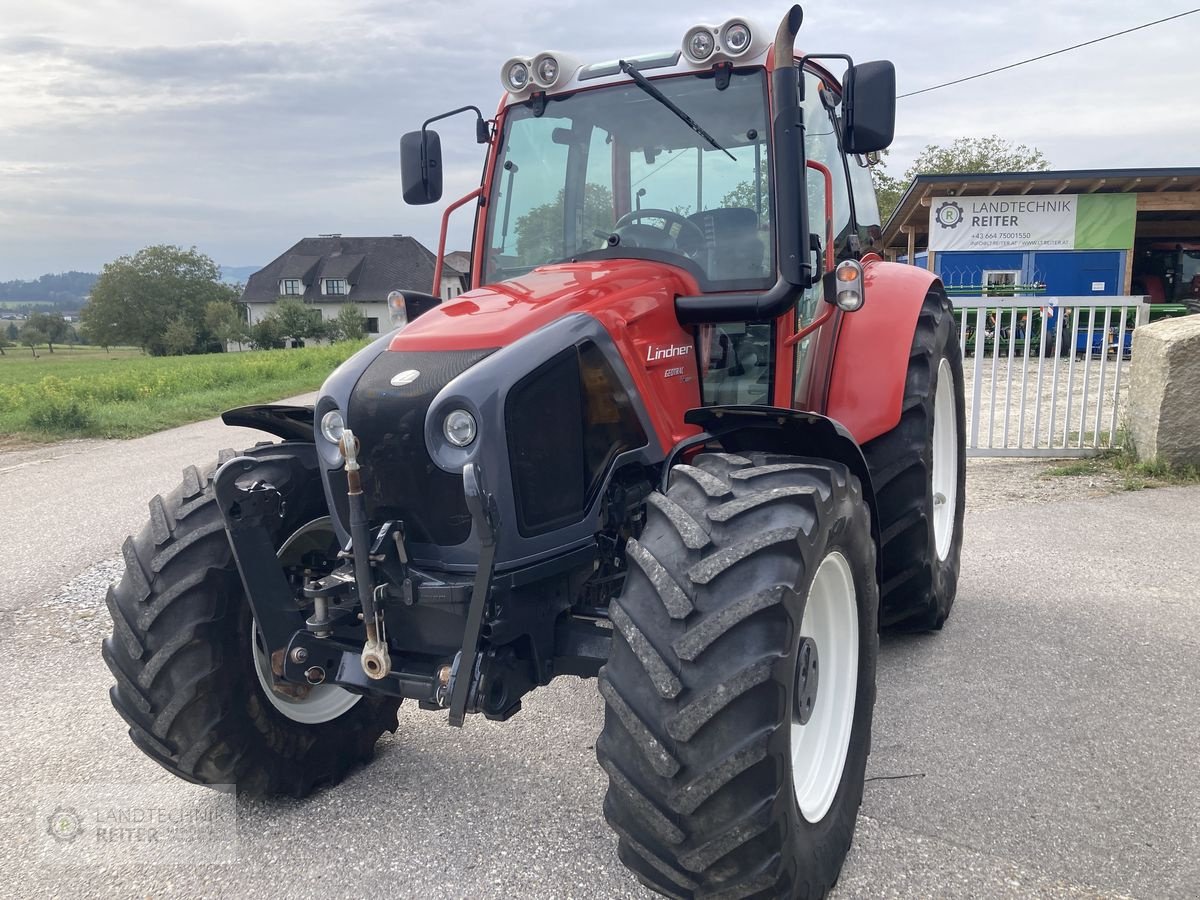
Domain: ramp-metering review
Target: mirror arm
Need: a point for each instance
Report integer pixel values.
(482, 132)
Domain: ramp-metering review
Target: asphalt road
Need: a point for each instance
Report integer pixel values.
(1045, 744)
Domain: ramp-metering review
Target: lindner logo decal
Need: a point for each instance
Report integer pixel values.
(660, 354)
(949, 214)
(408, 376)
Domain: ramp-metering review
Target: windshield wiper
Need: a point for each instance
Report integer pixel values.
(644, 83)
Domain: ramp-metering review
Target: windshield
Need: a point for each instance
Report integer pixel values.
(612, 172)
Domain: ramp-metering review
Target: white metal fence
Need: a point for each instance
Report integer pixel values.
(1046, 376)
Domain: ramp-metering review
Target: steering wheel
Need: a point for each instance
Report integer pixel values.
(659, 238)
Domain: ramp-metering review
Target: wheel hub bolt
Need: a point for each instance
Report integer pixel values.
(299, 654)
(806, 680)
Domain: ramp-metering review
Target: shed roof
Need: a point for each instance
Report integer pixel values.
(913, 209)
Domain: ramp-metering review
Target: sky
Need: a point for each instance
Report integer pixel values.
(239, 127)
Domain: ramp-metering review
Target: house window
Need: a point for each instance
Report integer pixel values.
(335, 286)
(372, 325)
(290, 287)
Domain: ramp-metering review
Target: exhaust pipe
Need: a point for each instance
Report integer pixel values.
(785, 38)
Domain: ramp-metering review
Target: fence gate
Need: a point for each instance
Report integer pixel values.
(1046, 376)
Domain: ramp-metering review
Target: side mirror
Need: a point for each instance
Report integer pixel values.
(421, 167)
(869, 107)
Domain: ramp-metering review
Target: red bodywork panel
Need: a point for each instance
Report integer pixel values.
(633, 299)
(866, 386)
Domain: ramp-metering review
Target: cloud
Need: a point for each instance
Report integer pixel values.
(242, 127)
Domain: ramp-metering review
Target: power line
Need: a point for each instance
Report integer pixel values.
(1047, 55)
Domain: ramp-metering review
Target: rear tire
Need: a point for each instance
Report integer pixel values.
(919, 472)
(712, 789)
(182, 648)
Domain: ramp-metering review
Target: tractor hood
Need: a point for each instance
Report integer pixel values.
(499, 314)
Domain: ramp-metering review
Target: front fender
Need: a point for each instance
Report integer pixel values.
(741, 429)
(292, 423)
(870, 364)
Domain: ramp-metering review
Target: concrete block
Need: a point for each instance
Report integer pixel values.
(1164, 391)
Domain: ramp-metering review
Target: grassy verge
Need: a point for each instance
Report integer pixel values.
(124, 394)
(1131, 474)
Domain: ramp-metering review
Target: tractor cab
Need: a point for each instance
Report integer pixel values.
(731, 159)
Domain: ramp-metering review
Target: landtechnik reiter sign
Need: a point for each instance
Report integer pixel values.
(1053, 222)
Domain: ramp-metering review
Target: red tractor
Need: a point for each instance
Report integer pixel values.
(687, 433)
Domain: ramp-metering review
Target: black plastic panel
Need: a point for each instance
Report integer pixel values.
(543, 419)
(566, 422)
(400, 480)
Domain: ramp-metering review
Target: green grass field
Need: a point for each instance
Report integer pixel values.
(89, 393)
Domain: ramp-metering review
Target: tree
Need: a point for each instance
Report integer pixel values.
(965, 155)
(265, 334)
(13, 332)
(137, 297)
(540, 231)
(52, 325)
(224, 321)
(298, 321)
(350, 324)
(4, 342)
(180, 338)
(31, 336)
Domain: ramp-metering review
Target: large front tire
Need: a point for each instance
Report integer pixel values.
(744, 565)
(188, 662)
(919, 473)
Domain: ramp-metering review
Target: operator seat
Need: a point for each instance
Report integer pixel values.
(735, 249)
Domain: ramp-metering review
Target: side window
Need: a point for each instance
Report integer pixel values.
(866, 206)
(735, 360)
(821, 146)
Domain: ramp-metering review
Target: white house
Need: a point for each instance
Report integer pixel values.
(330, 271)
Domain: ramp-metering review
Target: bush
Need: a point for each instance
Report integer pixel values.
(59, 414)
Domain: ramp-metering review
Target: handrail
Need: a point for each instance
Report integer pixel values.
(441, 254)
(824, 170)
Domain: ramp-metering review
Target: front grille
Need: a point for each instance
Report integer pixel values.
(566, 421)
(400, 481)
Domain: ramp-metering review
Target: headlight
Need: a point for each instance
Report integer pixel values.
(397, 309)
(699, 43)
(736, 38)
(459, 428)
(333, 426)
(545, 70)
(515, 75)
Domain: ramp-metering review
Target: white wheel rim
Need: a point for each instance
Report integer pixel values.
(945, 461)
(819, 746)
(324, 702)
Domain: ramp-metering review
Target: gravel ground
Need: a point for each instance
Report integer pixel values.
(1042, 745)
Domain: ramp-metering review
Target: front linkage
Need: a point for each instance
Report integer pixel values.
(326, 647)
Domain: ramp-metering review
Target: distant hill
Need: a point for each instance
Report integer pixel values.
(64, 291)
(237, 274)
